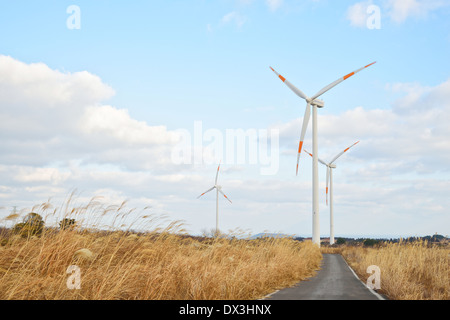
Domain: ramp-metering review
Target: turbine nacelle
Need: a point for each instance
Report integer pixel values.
(216, 186)
(330, 165)
(318, 103)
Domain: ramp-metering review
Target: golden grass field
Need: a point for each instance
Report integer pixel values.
(155, 265)
(164, 263)
(408, 270)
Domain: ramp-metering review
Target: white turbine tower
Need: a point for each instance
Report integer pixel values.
(330, 166)
(311, 101)
(218, 189)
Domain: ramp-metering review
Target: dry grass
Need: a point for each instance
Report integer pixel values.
(156, 265)
(409, 271)
(331, 250)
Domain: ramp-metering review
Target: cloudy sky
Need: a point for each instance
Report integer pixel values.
(141, 101)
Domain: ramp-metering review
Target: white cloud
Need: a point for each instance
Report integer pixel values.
(234, 17)
(357, 14)
(397, 10)
(401, 10)
(50, 116)
(117, 123)
(415, 128)
(40, 175)
(36, 86)
(274, 4)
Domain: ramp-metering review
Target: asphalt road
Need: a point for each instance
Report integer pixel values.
(334, 281)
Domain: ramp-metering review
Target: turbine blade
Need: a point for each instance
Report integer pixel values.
(328, 178)
(308, 152)
(224, 195)
(335, 83)
(291, 86)
(302, 136)
(217, 174)
(320, 160)
(205, 192)
(341, 153)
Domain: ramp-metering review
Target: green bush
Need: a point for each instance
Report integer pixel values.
(370, 242)
(66, 224)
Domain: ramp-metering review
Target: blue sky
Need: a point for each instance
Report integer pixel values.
(155, 67)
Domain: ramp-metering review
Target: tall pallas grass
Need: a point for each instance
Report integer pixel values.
(162, 263)
(408, 270)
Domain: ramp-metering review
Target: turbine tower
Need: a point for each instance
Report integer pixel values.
(330, 166)
(218, 189)
(312, 101)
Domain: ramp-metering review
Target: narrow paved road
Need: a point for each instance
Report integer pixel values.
(334, 281)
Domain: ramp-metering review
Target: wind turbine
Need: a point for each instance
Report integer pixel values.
(218, 189)
(330, 166)
(312, 101)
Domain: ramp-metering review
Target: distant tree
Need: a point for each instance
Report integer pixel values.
(33, 218)
(370, 242)
(32, 225)
(212, 233)
(340, 241)
(66, 224)
(437, 237)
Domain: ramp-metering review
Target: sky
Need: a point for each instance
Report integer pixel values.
(141, 101)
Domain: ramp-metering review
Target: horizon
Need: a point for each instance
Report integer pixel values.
(253, 235)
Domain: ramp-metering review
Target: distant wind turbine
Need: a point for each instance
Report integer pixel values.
(218, 189)
(330, 166)
(316, 104)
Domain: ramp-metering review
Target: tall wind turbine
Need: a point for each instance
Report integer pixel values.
(330, 166)
(312, 101)
(218, 189)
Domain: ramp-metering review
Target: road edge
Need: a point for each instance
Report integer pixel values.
(312, 276)
(379, 296)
